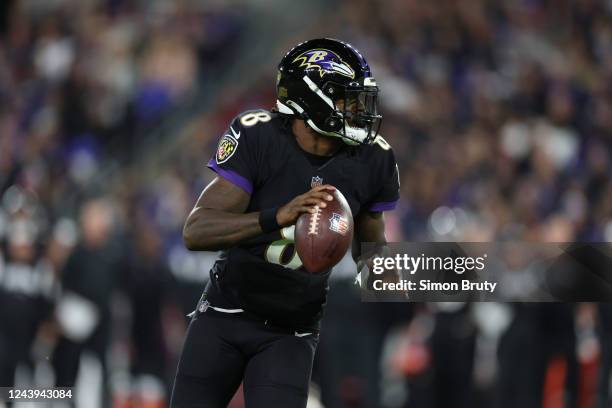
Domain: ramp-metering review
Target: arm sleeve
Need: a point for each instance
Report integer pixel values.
(234, 158)
(387, 196)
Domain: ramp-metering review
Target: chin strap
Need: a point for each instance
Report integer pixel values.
(359, 135)
(282, 108)
(291, 108)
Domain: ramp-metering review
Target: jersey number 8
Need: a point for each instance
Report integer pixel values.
(252, 118)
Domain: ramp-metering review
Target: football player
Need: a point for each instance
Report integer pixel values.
(258, 318)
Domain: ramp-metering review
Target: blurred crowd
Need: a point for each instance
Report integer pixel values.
(501, 112)
(86, 250)
(500, 116)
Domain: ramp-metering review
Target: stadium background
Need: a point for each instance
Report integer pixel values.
(500, 115)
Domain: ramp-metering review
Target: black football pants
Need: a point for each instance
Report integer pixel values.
(222, 349)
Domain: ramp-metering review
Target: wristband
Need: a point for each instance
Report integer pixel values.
(267, 220)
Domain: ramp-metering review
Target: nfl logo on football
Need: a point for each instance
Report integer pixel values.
(338, 224)
(316, 181)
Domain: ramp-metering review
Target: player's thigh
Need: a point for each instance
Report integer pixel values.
(210, 370)
(279, 375)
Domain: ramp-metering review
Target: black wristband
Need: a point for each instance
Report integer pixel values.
(267, 220)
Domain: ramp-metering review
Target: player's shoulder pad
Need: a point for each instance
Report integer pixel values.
(379, 150)
(249, 130)
(256, 125)
(251, 120)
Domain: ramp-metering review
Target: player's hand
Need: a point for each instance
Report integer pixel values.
(318, 196)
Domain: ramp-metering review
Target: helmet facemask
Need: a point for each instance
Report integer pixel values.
(347, 112)
(359, 111)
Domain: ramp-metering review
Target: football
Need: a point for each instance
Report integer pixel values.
(323, 237)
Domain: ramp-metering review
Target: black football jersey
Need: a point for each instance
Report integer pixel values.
(259, 154)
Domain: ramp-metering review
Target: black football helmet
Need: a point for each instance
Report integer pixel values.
(328, 84)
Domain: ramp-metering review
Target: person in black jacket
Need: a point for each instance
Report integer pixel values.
(88, 279)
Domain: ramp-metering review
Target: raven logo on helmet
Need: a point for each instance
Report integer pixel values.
(326, 61)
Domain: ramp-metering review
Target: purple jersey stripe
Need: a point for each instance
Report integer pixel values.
(383, 206)
(231, 176)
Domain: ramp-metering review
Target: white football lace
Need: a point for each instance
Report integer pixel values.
(314, 221)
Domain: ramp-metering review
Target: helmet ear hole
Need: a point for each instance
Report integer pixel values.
(333, 123)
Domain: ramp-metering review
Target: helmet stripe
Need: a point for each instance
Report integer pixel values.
(314, 88)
